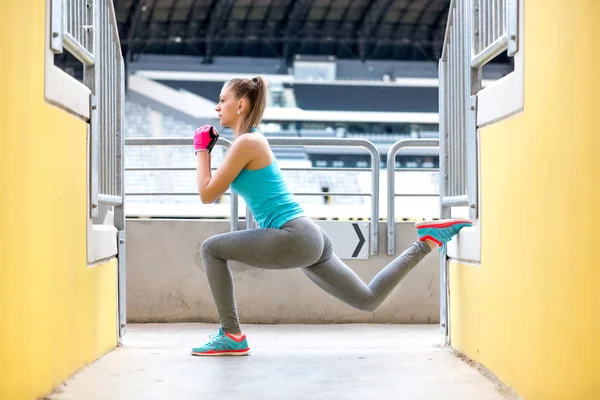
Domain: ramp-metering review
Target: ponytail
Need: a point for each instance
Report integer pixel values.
(255, 92)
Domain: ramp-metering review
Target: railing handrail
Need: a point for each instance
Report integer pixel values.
(444, 54)
(115, 28)
(391, 184)
(297, 141)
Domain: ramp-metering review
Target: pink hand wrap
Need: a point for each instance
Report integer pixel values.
(205, 138)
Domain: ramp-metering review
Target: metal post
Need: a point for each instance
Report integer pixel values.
(249, 219)
(391, 184)
(56, 22)
(94, 153)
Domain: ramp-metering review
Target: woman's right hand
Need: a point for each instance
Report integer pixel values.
(205, 138)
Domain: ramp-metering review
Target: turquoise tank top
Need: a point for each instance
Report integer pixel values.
(267, 196)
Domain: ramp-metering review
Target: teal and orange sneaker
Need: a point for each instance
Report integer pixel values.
(223, 344)
(442, 231)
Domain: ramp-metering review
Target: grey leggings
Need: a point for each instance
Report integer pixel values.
(300, 243)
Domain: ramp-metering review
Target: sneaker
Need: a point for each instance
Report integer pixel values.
(223, 344)
(441, 231)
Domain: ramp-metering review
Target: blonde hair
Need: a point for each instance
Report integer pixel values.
(255, 92)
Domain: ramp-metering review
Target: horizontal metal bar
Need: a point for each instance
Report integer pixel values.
(304, 141)
(77, 49)
(490, 52)
(417, 169)
(416, 194)
(455, 201)
(110, 200)
(170, 194)
(172, 141)
(311, 169)
(332, 194)
(227, 193)
(162, 169)
(214, 168)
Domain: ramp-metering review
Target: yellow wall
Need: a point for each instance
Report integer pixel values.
(530, 312)
(56, 313)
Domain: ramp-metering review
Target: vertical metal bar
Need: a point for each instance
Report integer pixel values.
(444, 288)
(461, 93)
(93, 156)
(490, 21)
(455, 106)
(114, 80)
(480, 27)
(486, 24)
(445, 125)
(442, 126)
(105, 92)
(512, 26)
(456, 134)
(499, 12)
(458, 115)
(451, 108)
(474, 5)
(115, 115)
(375, 160)
(104, 97)
(249, 219)
(67, 18)
(109, 82)
(72, 7)
(120, 177)
(233, 221)
(74, 10)
(56, 29)
(122, 283)
(470, 151)
(79, 26)
(391, 199)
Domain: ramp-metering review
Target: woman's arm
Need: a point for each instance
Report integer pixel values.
(238, 156)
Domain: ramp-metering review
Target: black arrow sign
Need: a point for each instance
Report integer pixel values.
(361, 240)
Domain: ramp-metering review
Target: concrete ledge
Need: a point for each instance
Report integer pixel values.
(166, 282)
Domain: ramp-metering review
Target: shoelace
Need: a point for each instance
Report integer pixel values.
(215, 338)
(218, 341)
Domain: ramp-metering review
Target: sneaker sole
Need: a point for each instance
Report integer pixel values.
(442, 224)
(224, 353)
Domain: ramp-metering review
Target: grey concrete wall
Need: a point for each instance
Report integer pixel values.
(166, 282)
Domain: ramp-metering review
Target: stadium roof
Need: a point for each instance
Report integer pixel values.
(349, 29)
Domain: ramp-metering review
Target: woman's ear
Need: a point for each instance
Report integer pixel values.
(242, 106)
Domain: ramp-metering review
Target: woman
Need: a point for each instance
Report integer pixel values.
(287, 239)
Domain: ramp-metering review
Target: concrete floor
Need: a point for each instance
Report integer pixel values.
(287, 362)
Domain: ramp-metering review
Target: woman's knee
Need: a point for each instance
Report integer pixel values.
(208, 246)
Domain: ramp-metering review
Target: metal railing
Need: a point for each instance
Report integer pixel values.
(234, 219)
(494, 30)
(72, 28)
(275, 141)
(458, 157)
(88, 30)
(477, 31)
(391, 184)
(110, 94)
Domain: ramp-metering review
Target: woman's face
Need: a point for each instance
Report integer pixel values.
(227, 108)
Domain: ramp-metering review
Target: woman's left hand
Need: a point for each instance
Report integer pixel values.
(205, 138)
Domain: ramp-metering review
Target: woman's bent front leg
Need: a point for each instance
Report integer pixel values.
(297, 244)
